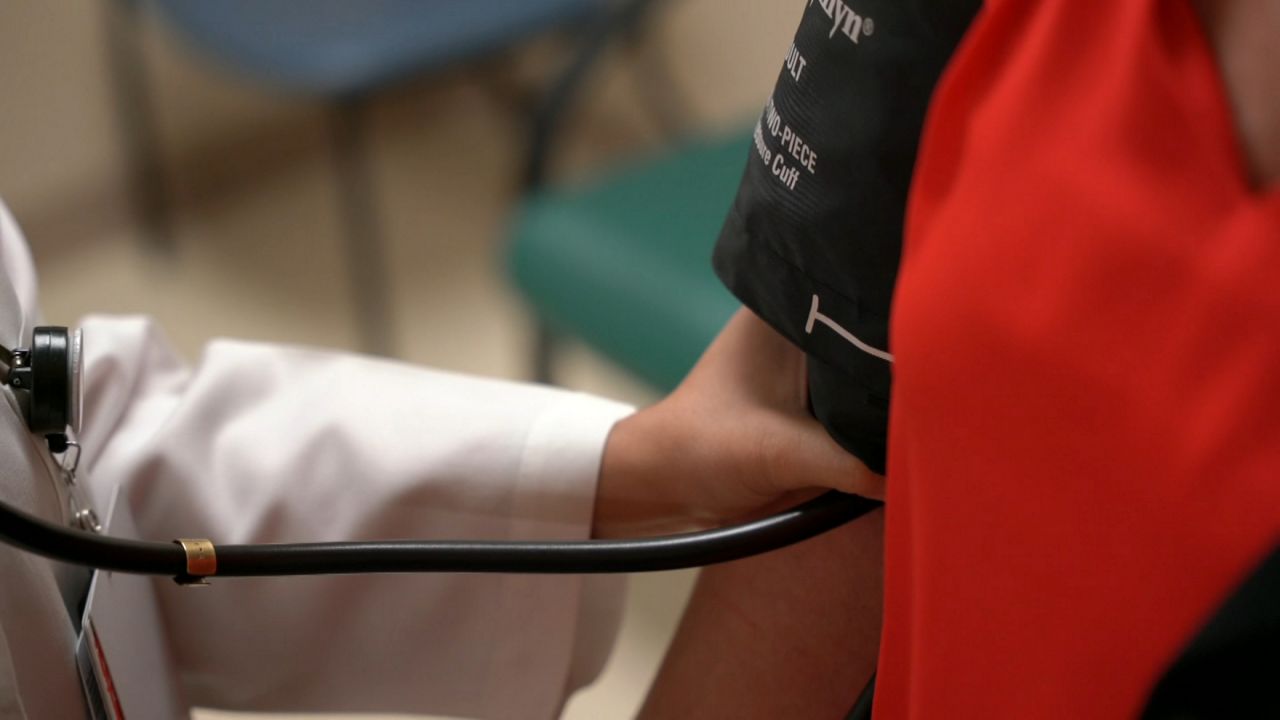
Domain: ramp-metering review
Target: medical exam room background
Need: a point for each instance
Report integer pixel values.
(256, 236)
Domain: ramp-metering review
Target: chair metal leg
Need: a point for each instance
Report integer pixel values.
(494, 75)
(564, 91)
(136, 117)
(667, 103)
(544, 351)
(363, 237)
(546, 121)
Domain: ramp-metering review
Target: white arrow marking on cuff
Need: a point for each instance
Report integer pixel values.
(819, 317)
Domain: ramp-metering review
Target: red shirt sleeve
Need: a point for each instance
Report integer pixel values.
(1084, 448)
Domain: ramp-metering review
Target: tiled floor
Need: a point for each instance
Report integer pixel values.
(257, 251)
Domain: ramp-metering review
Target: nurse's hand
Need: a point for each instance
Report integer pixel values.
(733, 442)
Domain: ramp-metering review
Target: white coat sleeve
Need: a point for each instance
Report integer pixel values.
(260, 444)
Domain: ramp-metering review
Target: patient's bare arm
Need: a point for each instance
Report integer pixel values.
(791, 634)
(1244, 34)
(735, 440)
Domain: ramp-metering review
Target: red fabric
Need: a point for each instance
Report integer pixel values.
(1085, 433)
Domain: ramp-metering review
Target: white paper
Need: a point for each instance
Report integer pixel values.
(122, 626)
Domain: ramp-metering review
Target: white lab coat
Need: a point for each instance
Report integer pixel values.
(261, 443)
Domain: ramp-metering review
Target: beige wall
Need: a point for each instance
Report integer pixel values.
(60, 156)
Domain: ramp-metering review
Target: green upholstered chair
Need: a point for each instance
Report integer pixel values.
(623, 264)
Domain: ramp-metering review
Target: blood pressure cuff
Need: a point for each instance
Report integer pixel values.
(813, 239)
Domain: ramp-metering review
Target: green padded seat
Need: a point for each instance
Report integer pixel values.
(623, 263)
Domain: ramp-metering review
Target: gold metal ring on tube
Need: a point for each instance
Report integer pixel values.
(202, 560)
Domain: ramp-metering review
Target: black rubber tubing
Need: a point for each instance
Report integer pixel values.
(669, 552)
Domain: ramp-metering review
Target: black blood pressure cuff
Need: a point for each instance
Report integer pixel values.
(813, 239)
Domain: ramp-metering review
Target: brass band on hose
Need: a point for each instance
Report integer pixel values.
(202, 561)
